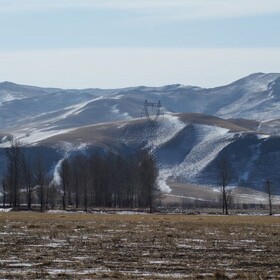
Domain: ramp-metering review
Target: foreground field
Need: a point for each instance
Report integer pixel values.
(95, 246)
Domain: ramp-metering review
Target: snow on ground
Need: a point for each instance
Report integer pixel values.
(35, 130)
(6, 96)
(263, 136)
(56, 176)
(260, 83)
(117, 115)
(98, 212)
(35, 136)
(168, 128)
(130, 213)
(67, 149)
(116, 97)
(211, 141)
(5, 139)
(252, 105)
(46, 118)
(77, 109)
(6, 209)
(162, 178)
(64, 212)
(248, 108)
(186, 197)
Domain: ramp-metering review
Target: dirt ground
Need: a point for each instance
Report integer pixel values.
(139, 246)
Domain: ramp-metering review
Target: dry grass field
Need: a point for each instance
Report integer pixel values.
(143, 246)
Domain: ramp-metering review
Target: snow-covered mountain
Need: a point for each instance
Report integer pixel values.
(239, 121)
(256, 97)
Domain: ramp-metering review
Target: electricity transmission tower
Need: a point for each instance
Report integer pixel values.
(152, 112)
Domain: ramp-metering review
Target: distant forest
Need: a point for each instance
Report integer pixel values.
(84, 181)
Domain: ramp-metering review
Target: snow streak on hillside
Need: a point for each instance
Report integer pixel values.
(66, 149)
(258, 101)
(168, 128)
(6, 96)
(250, 164)
(213, 140)
(209, 142)
(33, 137)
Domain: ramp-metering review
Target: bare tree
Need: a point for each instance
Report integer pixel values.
(40, 177)
(28, 179)
(51, 195)
(224, 177)
(14, 170)
(65, 172)
(4, 190)
(80, 180)
(109, 180)
(270, 177)
(148, 177)
(269, 191)
(76, 181)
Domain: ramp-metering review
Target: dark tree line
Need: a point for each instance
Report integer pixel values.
(97, 180)
(24, 182)
(109, 181)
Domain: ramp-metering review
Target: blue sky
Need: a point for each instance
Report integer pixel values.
(118, 43)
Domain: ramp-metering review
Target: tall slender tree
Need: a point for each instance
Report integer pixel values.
(224, 177)
(41, 180)
(268, 188)
(14, 156)
(65, 172)
(148, 177)
(28, 178)
(4, 189)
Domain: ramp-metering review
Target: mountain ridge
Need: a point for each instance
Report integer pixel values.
(195, 129)
(255, 97)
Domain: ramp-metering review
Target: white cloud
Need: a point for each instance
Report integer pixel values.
(122, 67)
(155, 9)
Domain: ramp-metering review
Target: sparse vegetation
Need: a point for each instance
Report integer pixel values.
(94, 246)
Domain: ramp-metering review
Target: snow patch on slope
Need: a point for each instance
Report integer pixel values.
(39, 135)
(256, 153)
(118, 115)
(167, 129)
(75, 109)
(260, 82)
(162, 181)
(6, 96)
(256, 102)
(34, 136)
(67, 149)
(215, 139)
(56, 176)
(209, 142)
